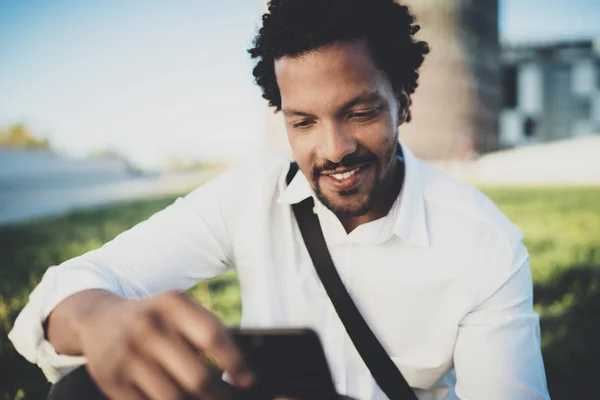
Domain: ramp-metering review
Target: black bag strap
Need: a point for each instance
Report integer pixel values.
(382, 368)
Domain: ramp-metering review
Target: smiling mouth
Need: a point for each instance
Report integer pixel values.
(347, 179)
(344, 175)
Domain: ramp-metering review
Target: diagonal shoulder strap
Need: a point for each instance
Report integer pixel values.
(381, 366)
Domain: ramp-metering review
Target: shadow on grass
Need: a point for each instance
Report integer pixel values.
(19, 379)
(570, 321)
(26, 251)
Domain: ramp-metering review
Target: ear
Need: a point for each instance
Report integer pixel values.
(403, 107)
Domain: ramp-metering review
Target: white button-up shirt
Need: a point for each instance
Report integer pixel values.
(443, 280)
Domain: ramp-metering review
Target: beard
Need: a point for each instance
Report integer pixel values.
(349, 210)
(342, 203)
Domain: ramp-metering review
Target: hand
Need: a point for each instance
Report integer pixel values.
(152, 349)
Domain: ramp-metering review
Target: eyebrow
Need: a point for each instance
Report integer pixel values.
(364, 97)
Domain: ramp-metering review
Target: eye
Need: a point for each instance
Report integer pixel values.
(364, 115)
(305, 123)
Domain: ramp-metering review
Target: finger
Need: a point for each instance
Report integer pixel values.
(132, 393)
(206, 333)
(152, 381)
(121, 387)
(185, 366)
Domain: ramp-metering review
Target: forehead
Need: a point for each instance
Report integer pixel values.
(326, 78)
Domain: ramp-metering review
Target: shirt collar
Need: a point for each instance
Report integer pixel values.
(298, 190)
(409, 218)
(411, 223)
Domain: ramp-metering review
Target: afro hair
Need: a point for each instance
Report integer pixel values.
(295, 27)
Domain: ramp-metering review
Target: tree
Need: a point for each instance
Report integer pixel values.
(19, 136)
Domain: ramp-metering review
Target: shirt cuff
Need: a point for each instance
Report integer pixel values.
(27, 334)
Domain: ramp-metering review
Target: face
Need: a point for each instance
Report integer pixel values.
(342, 119)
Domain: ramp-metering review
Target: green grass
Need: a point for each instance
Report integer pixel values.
(562, 232)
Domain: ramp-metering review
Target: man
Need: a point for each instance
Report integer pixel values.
(440, 275)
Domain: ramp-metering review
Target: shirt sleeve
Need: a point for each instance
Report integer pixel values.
(497, 353)
(173, 250)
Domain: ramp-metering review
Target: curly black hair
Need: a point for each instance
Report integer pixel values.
(294, 27)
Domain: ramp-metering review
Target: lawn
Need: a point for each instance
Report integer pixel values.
(562, 232)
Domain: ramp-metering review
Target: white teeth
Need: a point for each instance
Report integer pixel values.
(345, 175)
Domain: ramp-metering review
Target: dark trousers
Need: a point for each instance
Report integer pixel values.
(76, 385)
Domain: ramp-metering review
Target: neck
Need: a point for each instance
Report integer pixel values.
(390, 189)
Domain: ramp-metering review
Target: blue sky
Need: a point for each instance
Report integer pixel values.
(158, 79)
(540, 20)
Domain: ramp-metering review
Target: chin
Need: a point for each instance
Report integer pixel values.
(345, 207)
(352, 212)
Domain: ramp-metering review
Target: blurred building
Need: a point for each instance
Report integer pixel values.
(41, 168)
(551, 92)
(456, 106)
(36, 183)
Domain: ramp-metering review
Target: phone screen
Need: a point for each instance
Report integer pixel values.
(288, 363)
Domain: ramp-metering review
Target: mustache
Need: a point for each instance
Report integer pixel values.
(348, 161)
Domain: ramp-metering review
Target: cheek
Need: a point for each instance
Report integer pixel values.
(378, 137)
(303, 152)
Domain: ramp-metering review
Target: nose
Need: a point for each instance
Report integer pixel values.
(335, 143)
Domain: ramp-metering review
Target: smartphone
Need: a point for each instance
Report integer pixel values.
(288, 363)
